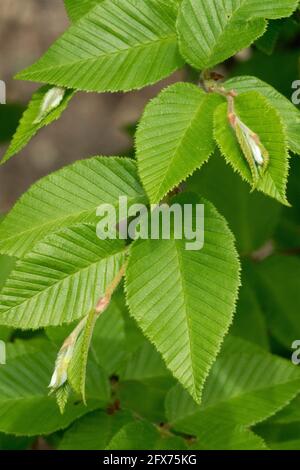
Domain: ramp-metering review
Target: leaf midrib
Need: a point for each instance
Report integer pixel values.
(39, 67)
(61, 280)
(204, 409)
(231, 20)
(182, 281)
(56, 221)
(179, 145)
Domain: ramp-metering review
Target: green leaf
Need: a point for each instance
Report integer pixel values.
(144, 383)
(187, 324)
(282, 437)
(175, 137)
(10, 115)
(20, 347)
(6, 265)
(143, 365)
(288, 232)
(57, 334)
(263, 119)
(78, 364)
(134, 436)
(61, 279)
(252, 217)
(109, 341)
(246, 385)
(5, 333)
(141, 435)
(146, 399)
(268, 41)
(221, 435)
(232, 26)
(24, 397)
(78, 8)
(290, 115)
(67, 197)
(276, 281)
(94, 431)
(289, 414)
(119, 46)
(11, 442)
(29, 125)
(249, 321)
(169, 442)
(282, 431)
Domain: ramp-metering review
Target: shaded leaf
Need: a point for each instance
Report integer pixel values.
(246, 385)
(94, 431)
(276, 281)
(282, 431)
(24, 397)
(141, 436)
(268, 41)
(144, 383)
(221, 435)
(249, 321)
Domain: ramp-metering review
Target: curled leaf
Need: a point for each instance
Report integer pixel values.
(51, 100)
(265, 126)
(62, 395)
(64, 357)
(255, 153)
(71, 363)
